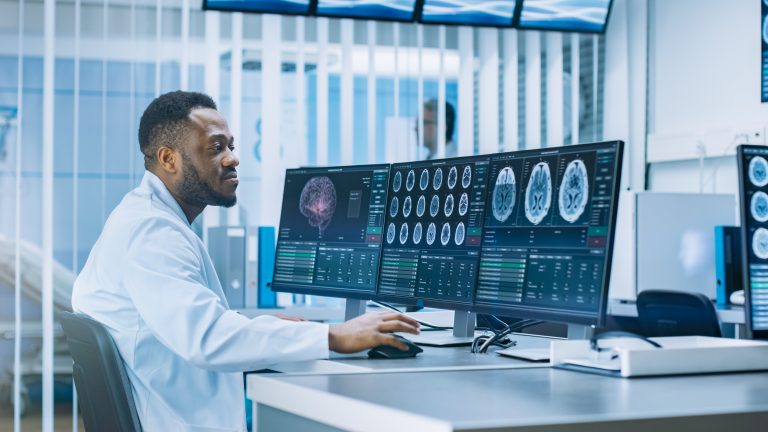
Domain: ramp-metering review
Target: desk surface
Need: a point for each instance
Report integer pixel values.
(516, 399)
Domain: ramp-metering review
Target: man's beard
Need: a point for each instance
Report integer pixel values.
(195, 191)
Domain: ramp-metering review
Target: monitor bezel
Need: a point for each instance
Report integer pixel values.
(309, 12)
(750, 331)
(599, 317)
(425, 301)
(419, 11)
(317, 13)
(326, 290)
(519, 15)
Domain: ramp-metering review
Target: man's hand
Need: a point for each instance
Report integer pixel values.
(370, 330)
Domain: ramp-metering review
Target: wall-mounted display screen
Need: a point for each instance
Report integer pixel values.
(469, 12)
(264, 6)
(764, 50)
(565, 15)
(391, 10)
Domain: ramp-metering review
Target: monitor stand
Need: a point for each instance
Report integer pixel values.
(463, 332)
(354, 308)
(579, 331)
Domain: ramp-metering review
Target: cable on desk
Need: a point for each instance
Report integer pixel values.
(482, 343)
(422, 323)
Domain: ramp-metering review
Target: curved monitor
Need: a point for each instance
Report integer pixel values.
(329, 240)
(548, 233)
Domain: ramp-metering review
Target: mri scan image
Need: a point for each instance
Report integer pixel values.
(453, 175)
(410, 180)
(458, 238)
(403, 233)
(434, 206)
(466, 177)
(397, 182)
(574, 191)
(445, 234)
(394, 206)
(760, 243)
(317, 202)
(424, 180)
(407, 207)
(417, 233)
(759, 207)
(391, 233)
(538, 194)
(504, 194)
(437, 181)
(421, 205)
(463, 204)
(448, 207)
(431, 231)
(758, 171)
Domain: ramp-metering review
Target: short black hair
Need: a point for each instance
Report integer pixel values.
(450, 116)
(164, 119)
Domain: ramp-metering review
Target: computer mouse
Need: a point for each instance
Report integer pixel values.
(737, 297)
(390, 352)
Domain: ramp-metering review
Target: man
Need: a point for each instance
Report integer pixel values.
(150, 281)
(430, 129)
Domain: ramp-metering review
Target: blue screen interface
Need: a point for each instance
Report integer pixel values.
(565, 15)
(275, 6)
(399, 10)
(469, 12)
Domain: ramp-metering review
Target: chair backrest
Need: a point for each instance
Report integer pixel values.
(103, 388)
(675, 313)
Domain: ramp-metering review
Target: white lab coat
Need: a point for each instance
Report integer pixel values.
(150, 281)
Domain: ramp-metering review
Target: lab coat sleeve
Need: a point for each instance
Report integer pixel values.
(165, 283)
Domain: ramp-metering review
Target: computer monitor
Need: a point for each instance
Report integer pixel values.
(329, 240)
(548, 233)
(753, 198)
(433, 227)
(392, 10)
(468, 12)
(590, 16)
(287, 7)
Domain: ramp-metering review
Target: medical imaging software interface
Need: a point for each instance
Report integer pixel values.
(433, 230)
(546, 232)
(754, 207)
(331, 230)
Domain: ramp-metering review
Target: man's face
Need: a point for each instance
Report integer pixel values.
(430, 129)
(209, 175)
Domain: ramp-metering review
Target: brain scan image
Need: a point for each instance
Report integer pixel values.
(759, 206)
(438, 180)
(463, 204)
(466, 177)
(458, 238)
(431, 231)
(407, 207)
(760, 243)
(445, 234)
(453, 175)
(758, 171)
(434, 206)
(421, 205)
(410, 180)
(574, 191)
(448, 207)
(391, 233)
(538, 194)
(504, 194)
(403, 233)
(394, 206)
(424, 180)
(397, 182)
(317, 202)
(417, 233)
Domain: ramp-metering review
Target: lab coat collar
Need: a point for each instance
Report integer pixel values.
(156, 187)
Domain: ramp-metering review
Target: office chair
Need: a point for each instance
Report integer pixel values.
(674, 313)
(106, 399)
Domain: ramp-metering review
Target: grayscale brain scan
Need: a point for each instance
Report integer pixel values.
(391, 233)
(504, 194)
(407, 206)
(459, 236)
(759, 206)
(437, 181)
(431, 231)
(538, 194)
(417, 233)
(317, 202)
(574, 191)
(466, 177)
(424, 180)
(397, 182)
(760, 243)
(463, 204)
(394, 206)
(403, 233)
(758, 171)
(421, 205)
(410, 180)
(445, 234)
(448, 207)
(434, 206)
(453, 176)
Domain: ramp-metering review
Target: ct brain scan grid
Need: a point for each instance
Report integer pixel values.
(432, 252)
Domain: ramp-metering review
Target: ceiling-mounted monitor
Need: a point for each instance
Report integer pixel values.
(386, 10)
(589, 16)
(287, 7)
(497, 13)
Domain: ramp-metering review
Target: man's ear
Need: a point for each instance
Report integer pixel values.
(168, 160)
